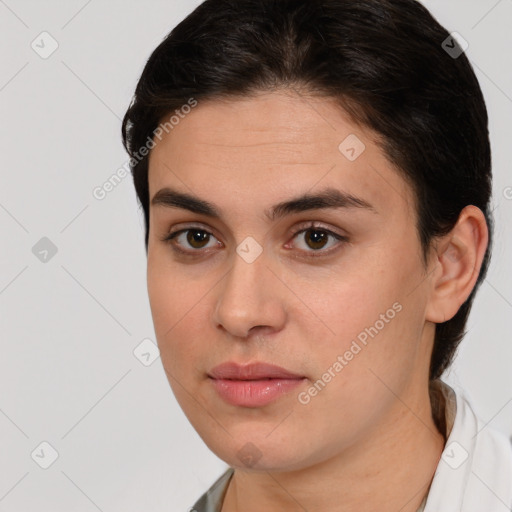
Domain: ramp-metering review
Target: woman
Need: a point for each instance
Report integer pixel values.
(315, 178)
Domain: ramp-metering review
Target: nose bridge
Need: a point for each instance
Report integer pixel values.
(244, 280)
(245, 299)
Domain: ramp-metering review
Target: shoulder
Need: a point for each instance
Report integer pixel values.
(475, 469)
(211, 500)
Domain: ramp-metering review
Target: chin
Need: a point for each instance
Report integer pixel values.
(250, 454)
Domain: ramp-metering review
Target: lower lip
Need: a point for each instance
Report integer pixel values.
(253, 393)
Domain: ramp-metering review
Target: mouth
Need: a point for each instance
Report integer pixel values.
(252, 385)
(253, 371)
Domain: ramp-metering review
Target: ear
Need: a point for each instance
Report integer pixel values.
(458, 259)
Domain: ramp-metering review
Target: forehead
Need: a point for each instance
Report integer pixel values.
(274, 145)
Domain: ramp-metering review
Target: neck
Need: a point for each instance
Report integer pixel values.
(390, 470)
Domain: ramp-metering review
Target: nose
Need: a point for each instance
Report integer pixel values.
(250, 298)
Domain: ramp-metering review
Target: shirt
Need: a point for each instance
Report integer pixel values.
(474, 473)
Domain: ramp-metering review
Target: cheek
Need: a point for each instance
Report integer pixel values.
(354, 298)
(372, 351)
(371, 314)
(178, 308)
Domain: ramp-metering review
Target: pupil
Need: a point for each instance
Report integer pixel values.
(196, 237)
(317, 237)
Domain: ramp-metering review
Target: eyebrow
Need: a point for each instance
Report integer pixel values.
(326, 198)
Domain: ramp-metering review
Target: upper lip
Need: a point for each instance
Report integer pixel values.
(252, 371)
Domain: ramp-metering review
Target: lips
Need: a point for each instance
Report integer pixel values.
(252, 385)
(253, 371)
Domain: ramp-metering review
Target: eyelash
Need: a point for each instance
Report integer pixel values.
(311, 226)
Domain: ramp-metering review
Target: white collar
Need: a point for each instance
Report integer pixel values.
(475, 470)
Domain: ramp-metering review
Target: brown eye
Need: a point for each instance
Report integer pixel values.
(316, 238)
(191, 240)
(196, 237)
(318, 241)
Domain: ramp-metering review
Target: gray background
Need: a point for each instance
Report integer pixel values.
(70, 324)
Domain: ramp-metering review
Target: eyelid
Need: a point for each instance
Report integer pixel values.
(171, 235)
(304, 226)
(314, 225)
(184, 226)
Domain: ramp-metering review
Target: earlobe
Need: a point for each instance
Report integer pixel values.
(459, 256)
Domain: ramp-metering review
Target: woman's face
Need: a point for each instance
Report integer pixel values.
(341, 305)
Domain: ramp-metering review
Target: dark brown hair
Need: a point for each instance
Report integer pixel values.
(389, 64)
